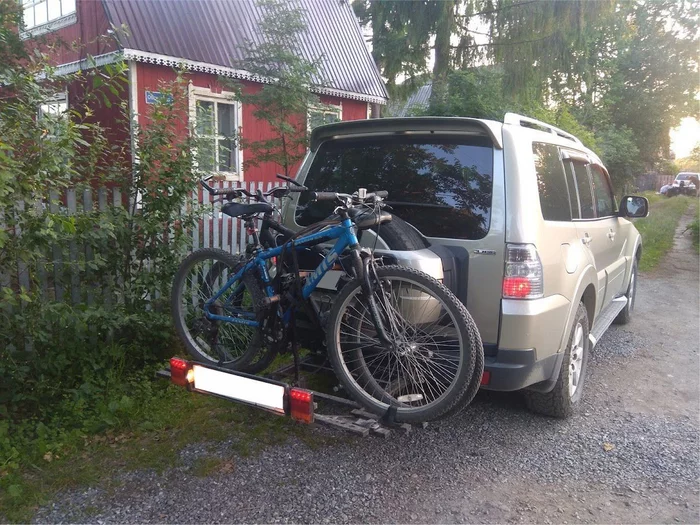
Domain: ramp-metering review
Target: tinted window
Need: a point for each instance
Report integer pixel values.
(604, 199)
(440, 185)
(583, 183)
(551, 182)
(573, 194)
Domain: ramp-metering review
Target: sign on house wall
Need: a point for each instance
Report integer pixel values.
(152, 97)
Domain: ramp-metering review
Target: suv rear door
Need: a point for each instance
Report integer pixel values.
(597, 234)
(616, 234)
(447, 185)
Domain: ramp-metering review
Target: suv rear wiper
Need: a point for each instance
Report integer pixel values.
(418, 205)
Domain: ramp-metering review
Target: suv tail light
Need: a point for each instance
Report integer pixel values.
(522, 278)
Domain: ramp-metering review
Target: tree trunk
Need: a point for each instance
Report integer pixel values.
(441, 68)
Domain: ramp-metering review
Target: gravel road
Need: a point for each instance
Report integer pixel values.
(631, 455)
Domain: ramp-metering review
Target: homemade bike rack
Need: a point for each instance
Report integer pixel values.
(282, 399)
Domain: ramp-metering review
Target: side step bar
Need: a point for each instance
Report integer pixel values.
(605, 319)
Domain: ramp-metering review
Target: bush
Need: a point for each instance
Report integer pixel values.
(71, 368)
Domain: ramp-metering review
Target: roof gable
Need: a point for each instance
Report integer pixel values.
(212, 33)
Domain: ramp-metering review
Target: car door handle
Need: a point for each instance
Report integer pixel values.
(611, 235)
(586, 239)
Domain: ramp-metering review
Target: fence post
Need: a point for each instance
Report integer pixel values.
(224, 224)
(57, 252)
(118, 203)
(195, 228)
(207, 217)
(41, 261)
(89, 256)
(72, 204)
(102, 207)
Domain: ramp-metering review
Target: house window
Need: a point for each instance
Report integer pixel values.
(55, 106)
(53, 114)
(52, 13)
(324, 115)
(216, 123)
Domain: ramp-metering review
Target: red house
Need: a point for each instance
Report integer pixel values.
(204, 38)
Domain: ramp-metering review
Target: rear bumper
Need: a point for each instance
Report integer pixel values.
(529, 347)
(517, 369)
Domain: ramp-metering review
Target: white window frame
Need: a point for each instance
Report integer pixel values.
(59, 98)
(51, 24)
(207, 95)
(331, 109)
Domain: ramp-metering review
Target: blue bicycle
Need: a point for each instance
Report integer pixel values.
(395, 337)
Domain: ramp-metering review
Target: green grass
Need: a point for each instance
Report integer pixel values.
(658, 229)
(695, 229)
(170, 422)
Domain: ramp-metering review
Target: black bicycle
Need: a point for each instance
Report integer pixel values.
(396, 338)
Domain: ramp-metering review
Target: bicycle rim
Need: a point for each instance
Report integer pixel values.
(426, 359)
(225, 343)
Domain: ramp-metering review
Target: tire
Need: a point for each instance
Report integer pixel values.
(397, 234)
(378, 378)
(228, 345)
(561, 402)
(625, 315)
(400, 235)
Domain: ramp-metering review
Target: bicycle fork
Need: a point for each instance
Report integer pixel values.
(367, 273)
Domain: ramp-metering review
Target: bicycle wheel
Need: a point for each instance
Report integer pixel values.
(226, 344)
(429, 369)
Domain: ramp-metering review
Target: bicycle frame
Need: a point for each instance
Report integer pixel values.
(345, 235)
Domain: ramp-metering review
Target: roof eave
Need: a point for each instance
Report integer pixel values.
(214, 69)
(192, 65)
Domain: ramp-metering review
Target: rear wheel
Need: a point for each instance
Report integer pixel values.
(565, 398)
(625, 315)
(429, 368)
(201, 275)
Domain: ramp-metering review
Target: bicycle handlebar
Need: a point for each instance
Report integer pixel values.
(355, 198)
(258, 195)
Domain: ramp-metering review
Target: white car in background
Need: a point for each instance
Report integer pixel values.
(685, 180)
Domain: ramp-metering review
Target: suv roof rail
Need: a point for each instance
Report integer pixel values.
(520, 120)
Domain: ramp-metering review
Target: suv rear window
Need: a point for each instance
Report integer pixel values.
(441, 185)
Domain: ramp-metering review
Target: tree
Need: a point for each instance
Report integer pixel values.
(285, 98)
(654, 78)
(401, 39)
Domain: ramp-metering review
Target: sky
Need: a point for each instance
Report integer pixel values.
(685, 137)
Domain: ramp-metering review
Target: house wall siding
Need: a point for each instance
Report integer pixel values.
(89, 33)
(150, 77)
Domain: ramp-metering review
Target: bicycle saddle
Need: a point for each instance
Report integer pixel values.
(236, 209)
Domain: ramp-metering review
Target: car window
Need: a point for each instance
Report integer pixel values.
(551, 183)
(441, 185)
(583, 184)
(604, 198)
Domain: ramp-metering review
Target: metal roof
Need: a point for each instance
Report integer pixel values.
(418, 101)
(209, 35)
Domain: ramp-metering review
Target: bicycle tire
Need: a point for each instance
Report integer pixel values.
(370, 391)
(190, 335)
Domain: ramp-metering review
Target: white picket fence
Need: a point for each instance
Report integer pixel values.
(218, 230)
(59, 278)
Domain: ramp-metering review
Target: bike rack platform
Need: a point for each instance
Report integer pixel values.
(358, 421)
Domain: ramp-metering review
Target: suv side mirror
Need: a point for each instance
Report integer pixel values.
(634, 207)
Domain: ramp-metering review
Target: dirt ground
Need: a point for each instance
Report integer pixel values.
(663, 379)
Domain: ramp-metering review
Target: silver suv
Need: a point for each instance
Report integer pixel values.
(517, 218)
